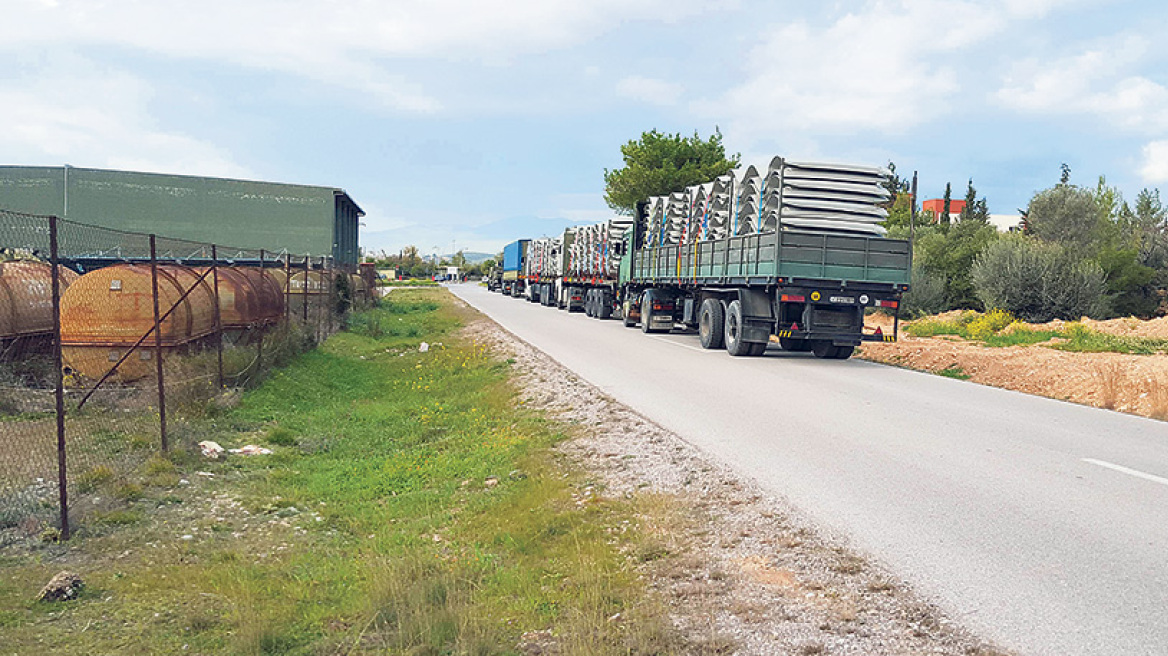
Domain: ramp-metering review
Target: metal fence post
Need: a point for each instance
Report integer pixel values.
(331, 301)
(287, 275)
(158, 346)
(59, 376)
(218, 316)
(304, 296)
(263, 328)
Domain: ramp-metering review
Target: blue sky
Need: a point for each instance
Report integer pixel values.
(480, 122)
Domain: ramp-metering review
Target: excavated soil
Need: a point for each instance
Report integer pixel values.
(1136, 384)
(740, 570)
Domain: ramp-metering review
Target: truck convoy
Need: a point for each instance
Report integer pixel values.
(793, 250)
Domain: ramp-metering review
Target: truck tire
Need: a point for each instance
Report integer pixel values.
(844, 352)
(712, 324)
(647, 313)
(603, 305)
(824, 349)
(758, 348)
(590, 303)
(626, 313)
(795, 345)
(733, 331)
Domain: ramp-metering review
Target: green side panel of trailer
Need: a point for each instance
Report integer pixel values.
(786, 254)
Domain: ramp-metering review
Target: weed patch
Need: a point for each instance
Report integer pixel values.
(411, 506)
(954, 371)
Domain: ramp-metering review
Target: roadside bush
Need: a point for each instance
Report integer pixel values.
(989, 324)
(1038, 281)
(927, 294)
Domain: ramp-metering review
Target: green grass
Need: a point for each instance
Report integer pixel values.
(407, 283)
(954, 371)
(414, 551)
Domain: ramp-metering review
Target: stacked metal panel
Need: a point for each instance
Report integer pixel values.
(833, 197)
(593, 251)
(543, 259)
(837, 198)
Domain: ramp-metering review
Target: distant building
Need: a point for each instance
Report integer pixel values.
(936, 207)
(277, 217)
(1006, 222)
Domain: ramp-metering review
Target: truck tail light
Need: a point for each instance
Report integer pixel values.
(793, 298)
(663, 306)
(887, 304)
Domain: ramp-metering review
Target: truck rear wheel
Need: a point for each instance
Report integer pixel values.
(758, 348)
(627, 313)
(712, 324)
(733, 332)
(603, 305)
(647, 313)
(824, 349)
(794, 345)
(844, 352)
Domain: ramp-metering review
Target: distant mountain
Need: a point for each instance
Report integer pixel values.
(474, 258)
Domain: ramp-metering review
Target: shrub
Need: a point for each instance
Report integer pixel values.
(988, 324)
(1038, 281)
(927, 295)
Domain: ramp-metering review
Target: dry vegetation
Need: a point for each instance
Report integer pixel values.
(1119, 364)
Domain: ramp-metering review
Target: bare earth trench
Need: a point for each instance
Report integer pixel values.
(741, 571)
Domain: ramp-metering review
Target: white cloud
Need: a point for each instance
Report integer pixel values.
(1155, 165)
(1096, 82)
(354, 44)
(96, 117)
(882, 67)
(649, 90)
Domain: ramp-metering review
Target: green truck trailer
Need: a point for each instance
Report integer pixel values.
(809, 289)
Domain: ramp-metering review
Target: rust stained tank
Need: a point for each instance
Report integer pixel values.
(107, 310)
(26, 297)
(317, 282)
(239, 301)
(271, 295)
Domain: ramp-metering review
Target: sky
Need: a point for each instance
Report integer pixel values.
(460, 124)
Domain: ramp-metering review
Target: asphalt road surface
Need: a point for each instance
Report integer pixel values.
(1039, 524)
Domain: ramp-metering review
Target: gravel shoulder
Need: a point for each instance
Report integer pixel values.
(740, 570)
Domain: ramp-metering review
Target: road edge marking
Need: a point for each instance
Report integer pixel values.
(1127, 470)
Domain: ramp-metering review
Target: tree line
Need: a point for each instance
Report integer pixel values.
(1081, 251)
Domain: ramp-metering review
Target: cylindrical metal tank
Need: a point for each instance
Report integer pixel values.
(317, 282)
(239, 302)
(107, 310)
(279, 277)
(26, 297)
(271, 295)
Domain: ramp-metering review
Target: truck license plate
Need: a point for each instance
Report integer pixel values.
(842, 299)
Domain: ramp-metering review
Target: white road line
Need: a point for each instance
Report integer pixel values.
(692, 348)
(1126, 470)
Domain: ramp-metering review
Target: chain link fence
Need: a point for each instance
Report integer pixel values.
(113, 344)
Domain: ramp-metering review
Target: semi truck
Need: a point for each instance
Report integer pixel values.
(792, 252)
(514, 276)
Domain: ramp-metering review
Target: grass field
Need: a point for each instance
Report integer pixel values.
(410, 507)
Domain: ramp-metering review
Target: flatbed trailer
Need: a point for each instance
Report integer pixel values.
(809, 289)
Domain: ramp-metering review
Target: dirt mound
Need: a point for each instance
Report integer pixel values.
(1137, 384)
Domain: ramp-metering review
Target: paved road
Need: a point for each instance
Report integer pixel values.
(1040, 524)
